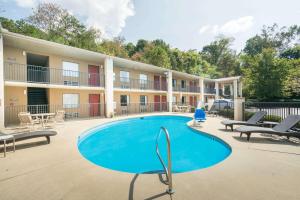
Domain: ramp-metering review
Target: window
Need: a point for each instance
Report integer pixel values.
(143, 78)
(183, 99)
(114, 76)
(174, 99)
(70, 100)
(183, 84)
(124, 100)
(70, 69)
(174, 82)
(143, 100)
(124, 76)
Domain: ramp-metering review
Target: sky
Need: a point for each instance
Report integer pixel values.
(184, 24)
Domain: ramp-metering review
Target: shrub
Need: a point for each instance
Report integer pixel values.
(227, 113)
(248, 115)
(272, 118)
(193, 109)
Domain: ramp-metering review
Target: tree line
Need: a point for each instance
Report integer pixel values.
(269, 62)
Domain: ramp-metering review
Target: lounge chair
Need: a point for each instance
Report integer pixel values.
(30, 135)
(281, 129)
(199, 116)
(250, 122)
(213, 111)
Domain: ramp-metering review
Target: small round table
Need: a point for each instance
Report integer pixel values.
(4, 138)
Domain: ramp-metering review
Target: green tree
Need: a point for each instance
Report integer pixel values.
(62, 27)
(291, 84)
(292, 53)
(279, 38)
(156, 55)
(264, 75)
(219, 54)
(114, 47)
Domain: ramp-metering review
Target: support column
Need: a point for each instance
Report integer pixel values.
(238, 108)
(235, 89)
(241, 89)
(170, 90)
(223, 89)
(1, 83)
(217, 90)
(231, 90)
(202, 90)
(109, 86)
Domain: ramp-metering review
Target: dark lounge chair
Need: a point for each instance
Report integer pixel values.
(30, 135)
(213, 111)
(282, 129)
(253, 121)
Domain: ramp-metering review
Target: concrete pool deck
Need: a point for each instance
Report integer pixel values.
(264, 168)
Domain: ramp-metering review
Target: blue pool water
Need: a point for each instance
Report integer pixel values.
(129, 145)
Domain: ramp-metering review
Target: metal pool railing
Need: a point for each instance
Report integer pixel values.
(168, 170)
(275, 110)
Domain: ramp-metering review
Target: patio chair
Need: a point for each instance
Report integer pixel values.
(199, 116)
(176, 109)
(27, 120)
(188, 109)
(58, 118)
(253, 121)
(281, 129)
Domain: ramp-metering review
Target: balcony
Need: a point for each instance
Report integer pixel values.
(138, 108)
(139, 84)
(46, 75)
(191, 89)
(209, 90)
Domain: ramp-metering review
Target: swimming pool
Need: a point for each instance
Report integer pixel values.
(130, 145)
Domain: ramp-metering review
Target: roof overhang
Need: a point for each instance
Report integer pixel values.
(31, 44)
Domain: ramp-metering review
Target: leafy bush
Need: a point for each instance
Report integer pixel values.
(248, 115)
(193, 109)
(272, 118)
(227, 113)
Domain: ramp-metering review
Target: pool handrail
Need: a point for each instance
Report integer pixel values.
(168, 170)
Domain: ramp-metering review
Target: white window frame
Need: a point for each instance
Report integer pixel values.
(127, 99)
(123, 77)
(174, 99)
(70, 71)
(174, 82)
(146, 100)
(183, 81)
(183, 98)
(68, 102)
(143, 79)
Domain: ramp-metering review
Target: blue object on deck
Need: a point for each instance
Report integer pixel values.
(199, 115)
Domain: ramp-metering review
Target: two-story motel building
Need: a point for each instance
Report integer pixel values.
(43, 76)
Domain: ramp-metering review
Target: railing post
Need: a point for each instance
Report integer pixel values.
(2, 103)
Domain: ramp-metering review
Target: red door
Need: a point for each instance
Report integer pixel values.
(163, 83)
(156, 83)
(191, 100)
(156, 103)
(192, 86)
(164, 103)
(195, 101)
(94, 78)
(94, 101)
